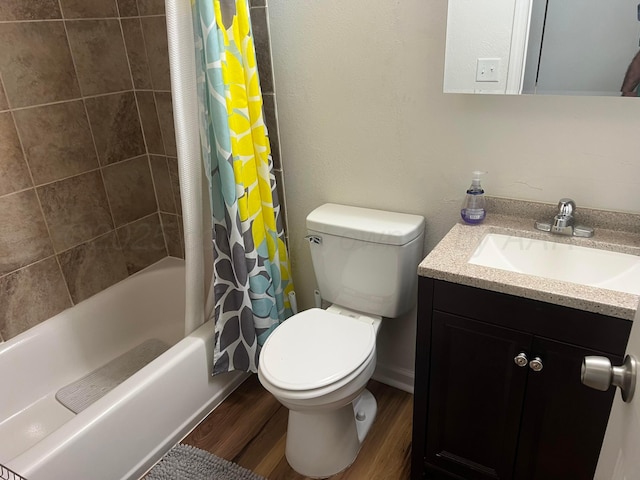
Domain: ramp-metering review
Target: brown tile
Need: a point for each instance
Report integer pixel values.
(93, 266)
(150, 123)
(23, 237)
(14, 174)
(181, 230)
(128, 8)
(88, 8)
(151, 7)
(281, 216)
(173, 234)
(260, 30)
(130, 190)
(36, 63)
(4, 104)
(165, 115)
(162, 182)
(116, 127)
(76, 210)
(136, 52)
(57, 141)
(155, 37)
(29, 10)
(172, 163)
(271, 120)
(99, 54)
(31, 295)
(142, 243)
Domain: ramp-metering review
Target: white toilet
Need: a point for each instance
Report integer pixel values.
(318, 362)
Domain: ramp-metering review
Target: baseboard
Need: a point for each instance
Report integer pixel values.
(400, 378)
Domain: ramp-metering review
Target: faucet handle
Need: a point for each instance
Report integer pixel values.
(566, 207)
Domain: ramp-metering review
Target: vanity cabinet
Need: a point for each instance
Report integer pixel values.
(478, 414)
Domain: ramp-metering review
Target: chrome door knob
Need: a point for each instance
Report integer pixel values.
(521, 359)
(536, 364)
(598, 373)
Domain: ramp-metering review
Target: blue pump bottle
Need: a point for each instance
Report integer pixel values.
(473, 208)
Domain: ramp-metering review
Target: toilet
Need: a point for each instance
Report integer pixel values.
(318, 362)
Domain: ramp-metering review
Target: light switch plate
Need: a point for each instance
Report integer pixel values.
(488, 70)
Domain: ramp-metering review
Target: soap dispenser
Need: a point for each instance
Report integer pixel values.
(473, 210)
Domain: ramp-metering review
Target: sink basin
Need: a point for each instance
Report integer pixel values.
(560, 261)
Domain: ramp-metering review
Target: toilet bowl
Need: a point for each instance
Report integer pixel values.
(318, 362)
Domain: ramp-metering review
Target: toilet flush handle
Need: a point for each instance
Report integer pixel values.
(315, 239)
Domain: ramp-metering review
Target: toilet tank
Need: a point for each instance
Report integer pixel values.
(365, 259)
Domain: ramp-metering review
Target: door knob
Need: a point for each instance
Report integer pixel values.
(536, 364)
(521, 359)
(598, 373)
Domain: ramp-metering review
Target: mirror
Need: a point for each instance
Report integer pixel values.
(567, 47)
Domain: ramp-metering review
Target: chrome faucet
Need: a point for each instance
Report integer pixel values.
(564, 221)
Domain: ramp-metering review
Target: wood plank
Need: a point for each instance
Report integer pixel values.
(237, 421)
(250, 427)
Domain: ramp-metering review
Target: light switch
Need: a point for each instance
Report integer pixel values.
(488, 70)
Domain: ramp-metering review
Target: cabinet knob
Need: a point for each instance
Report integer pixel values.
(536, 364)
(598, 373)
(521, 359)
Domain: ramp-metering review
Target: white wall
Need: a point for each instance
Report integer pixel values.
(363, 121)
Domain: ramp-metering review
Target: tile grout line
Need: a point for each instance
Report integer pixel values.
(3, 90)
(146, 54)
(164, 144)
(77, 19)
(144, 133)
(82, 97)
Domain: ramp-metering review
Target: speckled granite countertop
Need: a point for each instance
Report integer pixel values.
(448, 260)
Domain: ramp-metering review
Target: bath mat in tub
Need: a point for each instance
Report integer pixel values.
(185, 462)
(80, 394)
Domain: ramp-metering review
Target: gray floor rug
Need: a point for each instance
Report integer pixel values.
(184, 462)
(80, 394)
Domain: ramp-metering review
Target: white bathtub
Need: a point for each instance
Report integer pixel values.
(125, 432)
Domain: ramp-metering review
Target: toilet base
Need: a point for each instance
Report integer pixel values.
(323, 443)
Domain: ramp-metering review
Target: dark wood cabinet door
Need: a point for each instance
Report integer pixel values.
(563, 422)
(475, 399)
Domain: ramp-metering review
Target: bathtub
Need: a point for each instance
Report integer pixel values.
(125, 432)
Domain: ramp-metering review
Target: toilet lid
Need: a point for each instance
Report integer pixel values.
(315, 348)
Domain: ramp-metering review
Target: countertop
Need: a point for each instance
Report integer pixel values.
(448, 260)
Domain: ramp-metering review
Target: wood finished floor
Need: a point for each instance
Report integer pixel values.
(249, 428)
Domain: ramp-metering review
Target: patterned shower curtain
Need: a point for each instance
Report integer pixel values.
(251, 266)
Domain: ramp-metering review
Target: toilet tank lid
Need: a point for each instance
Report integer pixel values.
(376, 226)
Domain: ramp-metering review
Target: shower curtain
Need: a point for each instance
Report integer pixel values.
(251, 267)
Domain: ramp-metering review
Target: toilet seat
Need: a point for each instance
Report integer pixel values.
(315, 349)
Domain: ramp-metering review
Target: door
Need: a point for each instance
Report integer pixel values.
(620, 455)
(475, 397)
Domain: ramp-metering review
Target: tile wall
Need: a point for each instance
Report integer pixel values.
(88, 176)
(260, 30)
(89, 189)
